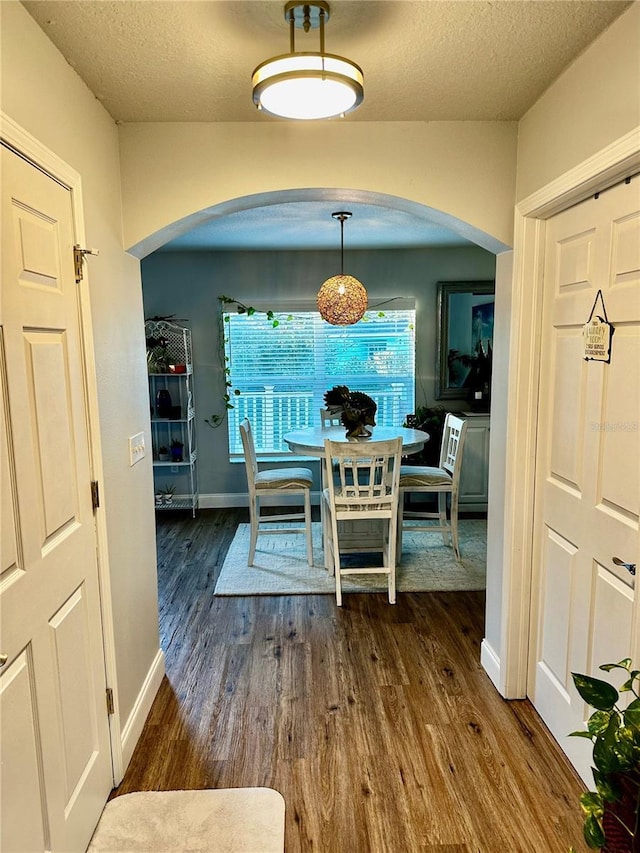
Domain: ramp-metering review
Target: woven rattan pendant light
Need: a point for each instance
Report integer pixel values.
(342, 299)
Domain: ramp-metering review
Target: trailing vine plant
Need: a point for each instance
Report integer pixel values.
(216, 420)
(223, 317)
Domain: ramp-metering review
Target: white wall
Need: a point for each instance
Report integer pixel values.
(497, 451)
(43, 94)
(593, 104)
(171, 171)
(187, 284)
(596, 101)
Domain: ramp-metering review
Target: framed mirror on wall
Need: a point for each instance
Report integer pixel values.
(465, 342)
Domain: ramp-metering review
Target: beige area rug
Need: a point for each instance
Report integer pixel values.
(427, 565)
(228, 820)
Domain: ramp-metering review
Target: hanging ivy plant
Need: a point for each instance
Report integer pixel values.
(216, 420)
(223, 317)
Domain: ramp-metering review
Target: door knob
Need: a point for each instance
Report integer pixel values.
(630, 567)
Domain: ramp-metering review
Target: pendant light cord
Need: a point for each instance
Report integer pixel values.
(292, 31)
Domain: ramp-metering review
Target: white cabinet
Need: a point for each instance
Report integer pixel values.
(171, 402)
(474, 477)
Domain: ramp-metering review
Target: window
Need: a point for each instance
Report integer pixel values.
(283, 373)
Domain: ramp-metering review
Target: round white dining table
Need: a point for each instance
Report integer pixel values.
(310, 440)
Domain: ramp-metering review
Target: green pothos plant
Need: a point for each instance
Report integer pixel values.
(612, 811)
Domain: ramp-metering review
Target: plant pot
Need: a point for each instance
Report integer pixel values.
(168, 499)
(617, 839)
(163, 457)
(158, 500)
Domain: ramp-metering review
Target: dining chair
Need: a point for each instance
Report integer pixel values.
(277, 481)
(443, 481)
(329, 418)
(365, 488)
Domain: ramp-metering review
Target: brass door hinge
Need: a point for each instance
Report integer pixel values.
(78, 258)
(95, 495)
(110, 706)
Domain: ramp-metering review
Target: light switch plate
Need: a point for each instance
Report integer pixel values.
(136, 448)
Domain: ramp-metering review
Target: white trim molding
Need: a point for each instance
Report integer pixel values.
(619, 160)
(132, 729)
(490, 661)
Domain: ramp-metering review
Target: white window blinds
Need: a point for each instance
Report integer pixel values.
(282, 373)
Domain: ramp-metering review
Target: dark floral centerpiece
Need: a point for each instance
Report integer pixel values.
(357, 410)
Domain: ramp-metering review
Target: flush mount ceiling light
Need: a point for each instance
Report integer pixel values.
(307, 85)
(342, 299)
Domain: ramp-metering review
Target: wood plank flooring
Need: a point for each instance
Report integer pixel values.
(375, 722)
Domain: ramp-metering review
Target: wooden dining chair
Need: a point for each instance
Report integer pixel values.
(443, 481)
(274, 482)
(329, 418)
(364, 488)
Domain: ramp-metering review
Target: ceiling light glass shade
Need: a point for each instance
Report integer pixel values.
(308, 86)
(342, 300)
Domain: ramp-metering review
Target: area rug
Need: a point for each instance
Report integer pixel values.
(280, 568)
(228, 820)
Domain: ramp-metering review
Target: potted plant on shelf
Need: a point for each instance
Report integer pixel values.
(177, 448)
(163, 454)
(157, 355)
(612, 810)
(167, 493)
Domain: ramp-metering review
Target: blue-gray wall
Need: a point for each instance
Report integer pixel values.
(187, 285)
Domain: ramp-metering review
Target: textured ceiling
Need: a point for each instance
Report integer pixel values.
(431, 60)
(423, 61)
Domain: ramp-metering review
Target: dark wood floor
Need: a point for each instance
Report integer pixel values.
(375, 722)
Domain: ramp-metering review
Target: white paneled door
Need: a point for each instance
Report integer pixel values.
(56, 760)
(588, 483)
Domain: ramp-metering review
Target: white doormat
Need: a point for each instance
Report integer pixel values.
(427, 565)
(228, 820)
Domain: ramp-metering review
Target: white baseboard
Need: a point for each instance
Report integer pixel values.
(132, 729)
(235, 499)
(490, 662)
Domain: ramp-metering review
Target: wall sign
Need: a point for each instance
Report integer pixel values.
(596, 334)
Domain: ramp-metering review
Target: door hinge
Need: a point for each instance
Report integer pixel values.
(95, 495)
(78, 258)
(110, 706)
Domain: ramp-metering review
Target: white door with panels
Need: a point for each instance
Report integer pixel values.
(587, 502)
(56, 759)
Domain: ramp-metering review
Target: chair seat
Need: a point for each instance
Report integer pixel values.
(284, 478)
(442, 481)
(272, 484)
(418, 475)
